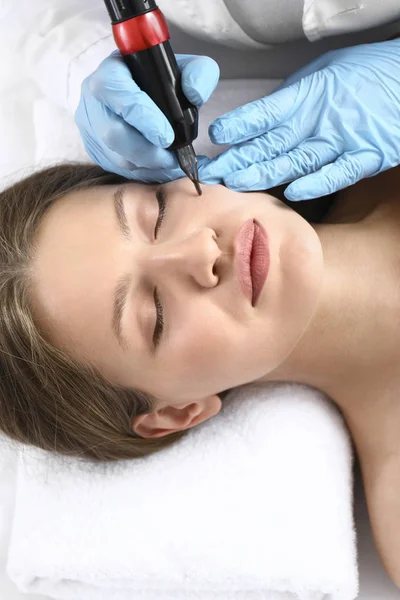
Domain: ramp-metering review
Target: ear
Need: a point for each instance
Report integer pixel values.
(170, 419)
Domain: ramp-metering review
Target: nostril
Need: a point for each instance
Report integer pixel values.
(214, 270)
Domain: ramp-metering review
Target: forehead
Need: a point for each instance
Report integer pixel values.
(72, 265)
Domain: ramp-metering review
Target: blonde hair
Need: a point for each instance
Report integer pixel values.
(48, 399)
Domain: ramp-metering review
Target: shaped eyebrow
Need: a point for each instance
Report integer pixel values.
(124, 283)
(123, 224)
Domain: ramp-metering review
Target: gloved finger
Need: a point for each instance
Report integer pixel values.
(109, 160)
(260, 149)
(255, 118)
(160, 176)
(114, 163)
(112, 85)
(346, 170)
(104, 157)
(307, 157)
(130, 144)
(163, 175)
(200, 76)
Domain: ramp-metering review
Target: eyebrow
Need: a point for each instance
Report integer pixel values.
(122, 220)
(123, 284)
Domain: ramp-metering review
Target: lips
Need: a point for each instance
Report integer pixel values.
(252, 258)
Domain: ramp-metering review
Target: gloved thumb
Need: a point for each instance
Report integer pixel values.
(200, 76)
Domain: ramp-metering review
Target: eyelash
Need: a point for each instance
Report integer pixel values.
(159, 328)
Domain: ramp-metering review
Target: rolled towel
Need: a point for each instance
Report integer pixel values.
(254, 504)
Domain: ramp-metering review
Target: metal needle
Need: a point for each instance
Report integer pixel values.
(188, 162)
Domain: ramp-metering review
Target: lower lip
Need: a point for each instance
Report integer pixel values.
(253, 259)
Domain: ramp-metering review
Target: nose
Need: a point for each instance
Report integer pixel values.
(193, 256)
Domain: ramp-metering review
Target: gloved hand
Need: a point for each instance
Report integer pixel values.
(124, 131)
(329, 125)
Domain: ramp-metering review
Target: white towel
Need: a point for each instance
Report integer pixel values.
(254, 504)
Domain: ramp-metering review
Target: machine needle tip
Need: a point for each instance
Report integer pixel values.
(197, 186)
(188, 162)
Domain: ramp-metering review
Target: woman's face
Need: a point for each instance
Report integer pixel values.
(213, 337)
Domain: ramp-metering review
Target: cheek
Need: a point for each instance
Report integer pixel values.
(201, 338)
(209, 354)
(201, 349)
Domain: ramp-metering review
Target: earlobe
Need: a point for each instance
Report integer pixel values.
(170, 419)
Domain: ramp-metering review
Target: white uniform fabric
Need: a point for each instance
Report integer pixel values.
(269, 21)
(208, 20)
(258, 23)
(238, 24)
(324, 18)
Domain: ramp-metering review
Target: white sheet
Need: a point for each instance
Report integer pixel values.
(17, 143)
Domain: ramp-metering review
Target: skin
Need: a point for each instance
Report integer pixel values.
(325, 317)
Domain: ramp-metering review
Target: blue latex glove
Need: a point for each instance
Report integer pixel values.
(329, 125)
(124, 131)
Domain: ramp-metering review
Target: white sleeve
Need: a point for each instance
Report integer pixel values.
(59, 43)
(209, 20)
(323, 18)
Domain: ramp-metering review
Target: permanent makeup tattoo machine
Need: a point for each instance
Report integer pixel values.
(142, 36)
